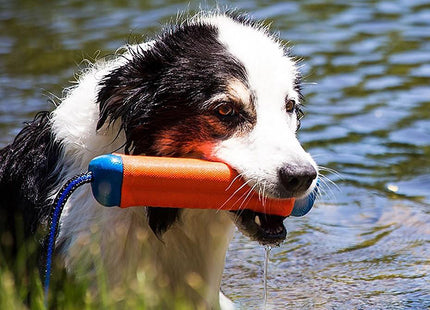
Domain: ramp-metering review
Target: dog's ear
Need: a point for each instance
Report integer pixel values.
(160, 219)
(126, 94)
(118, 95)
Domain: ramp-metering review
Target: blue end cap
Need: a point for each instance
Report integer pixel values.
(304, 205)
(107, 173)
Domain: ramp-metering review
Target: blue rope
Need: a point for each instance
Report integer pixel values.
(59, 202)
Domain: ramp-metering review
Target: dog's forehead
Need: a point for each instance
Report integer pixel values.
(271, 74)
(238, 91)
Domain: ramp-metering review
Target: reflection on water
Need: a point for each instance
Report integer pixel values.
(366, 66)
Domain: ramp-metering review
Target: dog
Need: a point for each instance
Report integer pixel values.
(217, 86)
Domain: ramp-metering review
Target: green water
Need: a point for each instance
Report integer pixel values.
(367, 71)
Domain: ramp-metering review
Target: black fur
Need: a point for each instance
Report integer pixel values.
(164, 86)
(27, 178)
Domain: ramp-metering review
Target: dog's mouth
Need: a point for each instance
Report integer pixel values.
(264, 228)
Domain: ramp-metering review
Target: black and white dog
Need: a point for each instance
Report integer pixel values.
(218, 87)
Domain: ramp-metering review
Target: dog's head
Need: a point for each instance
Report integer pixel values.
(220, 88)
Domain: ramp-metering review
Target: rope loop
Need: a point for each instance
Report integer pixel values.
(54, 220)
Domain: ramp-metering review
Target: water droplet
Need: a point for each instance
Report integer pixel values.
(267, 249)
(393, 188)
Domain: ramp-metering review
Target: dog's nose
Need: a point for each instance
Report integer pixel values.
(296, 179)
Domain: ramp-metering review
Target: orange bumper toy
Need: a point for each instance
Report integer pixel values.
(131, 181)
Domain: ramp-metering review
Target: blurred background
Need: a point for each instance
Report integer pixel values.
(366, 68)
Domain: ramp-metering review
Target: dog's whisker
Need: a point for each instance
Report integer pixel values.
(264, 196)
(248, 196)
(309, 83)
(233, 194)
(326, 184)
(331, 171)
(326, 179)
(329, 183)
(244, 196)
(261, 190)
(259, 193)
(231, 183)
(326, 188)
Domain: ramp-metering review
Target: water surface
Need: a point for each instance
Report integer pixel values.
(367, 68)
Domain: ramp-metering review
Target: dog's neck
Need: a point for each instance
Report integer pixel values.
(186, 263)
(193, 252)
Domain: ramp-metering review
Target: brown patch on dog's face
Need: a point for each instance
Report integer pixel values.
(223, 116)
(192, 137)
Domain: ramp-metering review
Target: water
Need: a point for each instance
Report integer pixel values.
(366, 244)
(267, 249)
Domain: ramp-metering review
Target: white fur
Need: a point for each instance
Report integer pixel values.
(120, 239)
(259, 155)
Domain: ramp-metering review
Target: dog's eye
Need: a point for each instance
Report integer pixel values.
(290, 105)
(226, 109)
